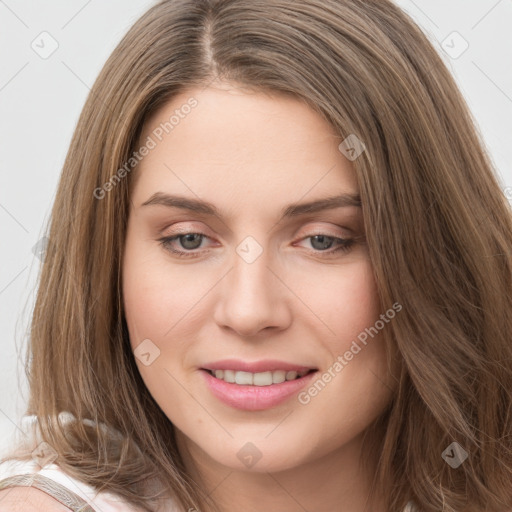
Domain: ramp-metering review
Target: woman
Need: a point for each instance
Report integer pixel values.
(278, 275)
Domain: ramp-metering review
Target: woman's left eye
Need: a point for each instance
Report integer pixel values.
(192, 241)
(326, 242)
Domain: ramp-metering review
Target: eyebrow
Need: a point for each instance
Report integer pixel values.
(292, 210)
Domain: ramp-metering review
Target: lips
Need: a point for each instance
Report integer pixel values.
(255, 386)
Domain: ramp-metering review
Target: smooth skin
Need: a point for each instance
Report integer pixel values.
(251, 155)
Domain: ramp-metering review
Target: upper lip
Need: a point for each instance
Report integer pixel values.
(266, 365)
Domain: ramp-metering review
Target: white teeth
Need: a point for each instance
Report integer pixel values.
(278, 376)
(257, 379)
(243, 378)
(262, 379)
(229, 376)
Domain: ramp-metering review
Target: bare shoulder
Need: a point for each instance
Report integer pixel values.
(28, 499)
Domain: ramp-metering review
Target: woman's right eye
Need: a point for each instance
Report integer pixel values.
(186, 240)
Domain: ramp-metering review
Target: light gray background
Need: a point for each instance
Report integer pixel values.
(41, 99)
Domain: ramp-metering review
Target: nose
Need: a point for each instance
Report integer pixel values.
(252, 297)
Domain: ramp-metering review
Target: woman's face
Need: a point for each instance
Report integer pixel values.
(264, 286)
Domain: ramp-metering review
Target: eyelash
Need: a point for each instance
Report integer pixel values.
(345, 244)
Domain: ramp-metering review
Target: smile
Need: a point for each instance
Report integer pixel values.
(256, 391)
(258, 379)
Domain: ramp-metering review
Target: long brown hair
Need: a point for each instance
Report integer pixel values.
(438, 227)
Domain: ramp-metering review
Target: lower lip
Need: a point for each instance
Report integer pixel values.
(254, 398)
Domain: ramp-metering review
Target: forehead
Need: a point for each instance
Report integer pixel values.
(228, 145)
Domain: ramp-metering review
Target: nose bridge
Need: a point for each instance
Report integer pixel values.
(251, 268)
(250, 281)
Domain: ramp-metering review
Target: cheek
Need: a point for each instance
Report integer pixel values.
(359, 302)
(346, 304)
(156, 294)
